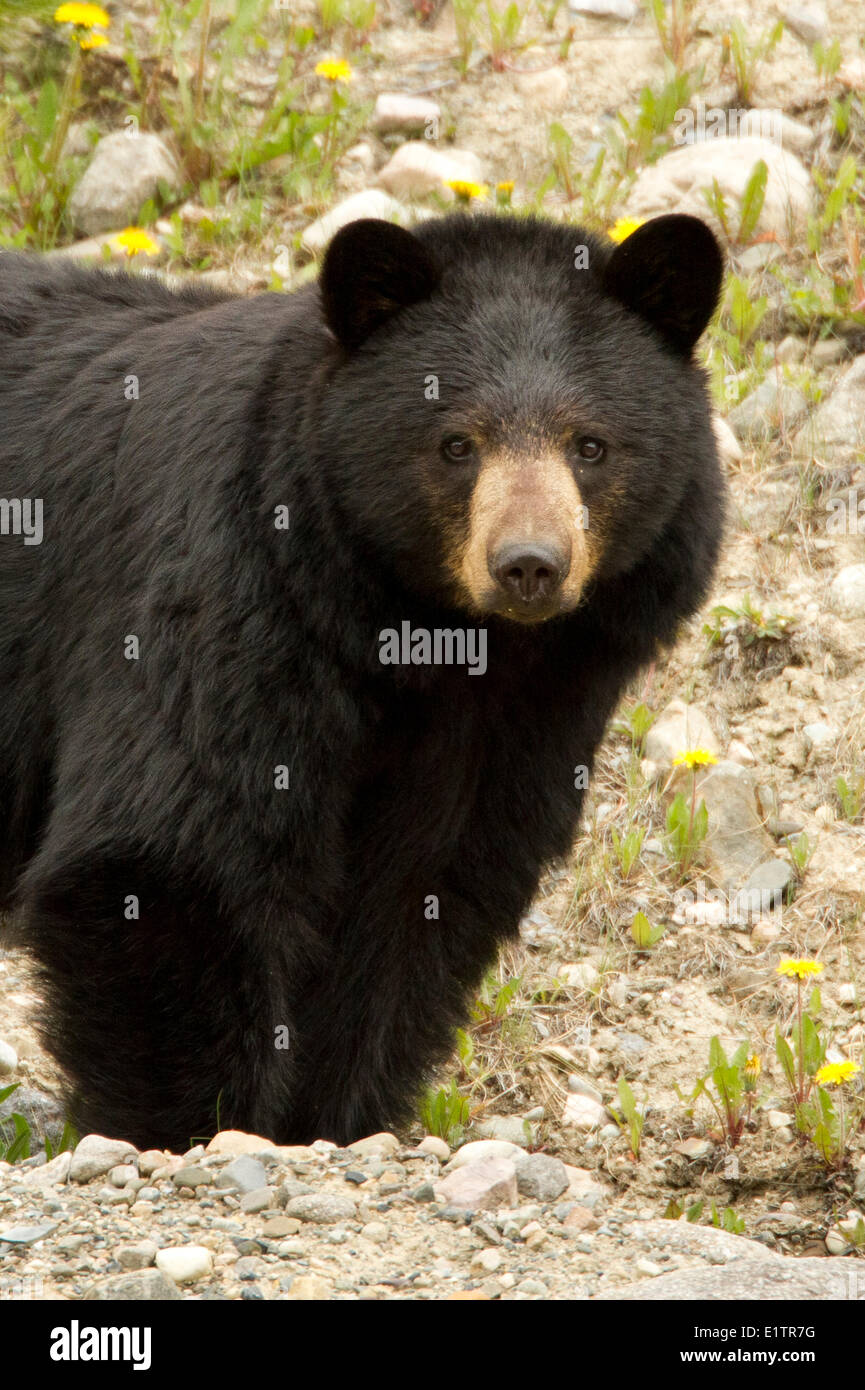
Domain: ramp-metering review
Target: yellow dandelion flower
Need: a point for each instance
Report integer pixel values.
(836, 1073)
(94, 41)
(623, 227)
(334, 69)
(134, 240)
(85, 16)
(695, 757)
(465, 190)
(800, 969)
(506, 187)
(753, 1067)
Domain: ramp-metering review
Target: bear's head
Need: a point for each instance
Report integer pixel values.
(512, 409)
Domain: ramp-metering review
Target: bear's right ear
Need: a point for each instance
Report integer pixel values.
(669, 272)
(371, 270)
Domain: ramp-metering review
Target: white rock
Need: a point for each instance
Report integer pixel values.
(583, 1113)
(836, 429)
(678, 728)
(775, 125)
(582, 974)
(376, 1145)
(847, 993)
(96, 1155)
(676, 182)
(739, 752)
(123, 174)
(481, 1149)
(483, 1186)
(435, 1146)
(56, 1170)
(236, 1141)
(371, 202)
(847, 592)
(648, 1267)
(400, 112)
(728, 445)
(809, 22)
(185, 1263)
(417, 169)
(623, 10)
(778, 1119)
(546, 89)
(8, 1058)
(819, 736)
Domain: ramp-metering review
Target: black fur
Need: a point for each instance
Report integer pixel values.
(258, 648)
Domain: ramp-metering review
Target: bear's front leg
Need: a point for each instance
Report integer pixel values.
(168, 1020)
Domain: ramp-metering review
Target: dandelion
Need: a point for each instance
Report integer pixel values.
(334, 70)
(695, 757)
(94, 41)
(799, 969)
(82, 16)
(836, 1073)
(504, 192)
(623, 228)
(465, 190)
(134, 240)
(753, 1067)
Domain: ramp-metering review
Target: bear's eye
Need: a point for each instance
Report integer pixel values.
(457, 448)
(591, 449)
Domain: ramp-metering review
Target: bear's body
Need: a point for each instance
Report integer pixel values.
(226, 824)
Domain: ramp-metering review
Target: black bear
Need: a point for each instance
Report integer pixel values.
(312, 612)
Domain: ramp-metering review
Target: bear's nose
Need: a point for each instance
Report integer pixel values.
(531, 573)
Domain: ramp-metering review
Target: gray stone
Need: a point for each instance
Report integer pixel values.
(810, 23)
(541, 1176)
(804, 1280)
(259, 1200)
(143, 1286)
(124, 173)
(847, 591)
(28, 1235)
(141, 1255)
(245, 1174)
(771, 880)
(836, 429)
(511, 1128)
(736, 842)
(193, 1175)
(322, 1208)
(767, 410)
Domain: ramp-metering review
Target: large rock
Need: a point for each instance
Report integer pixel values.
(96, 1155)
(677, 181)
(483, 1186)
(371, 202)
(763, 413)
(736, 842)
(677, 729)
(396, 111)
(847, 592)
(123, 174)
(837, 427)
(418, 169)
(764, 1279)
(143, 1286)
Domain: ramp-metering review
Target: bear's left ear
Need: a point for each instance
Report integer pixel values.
(669, 272)
(372, 269)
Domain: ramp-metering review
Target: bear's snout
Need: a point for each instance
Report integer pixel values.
(529, 574)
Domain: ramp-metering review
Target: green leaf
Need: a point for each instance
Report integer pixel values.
(752, 200)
